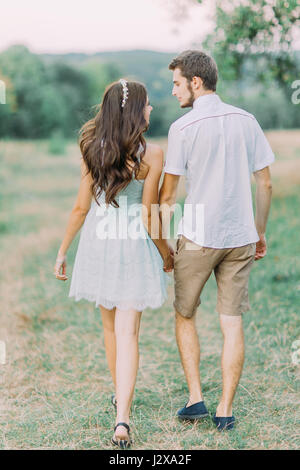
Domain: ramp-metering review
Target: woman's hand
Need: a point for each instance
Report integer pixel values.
(169, 261)
(60, 265)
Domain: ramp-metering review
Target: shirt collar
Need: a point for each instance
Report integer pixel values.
(206, 100)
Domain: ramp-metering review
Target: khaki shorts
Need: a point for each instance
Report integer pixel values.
(193, 265)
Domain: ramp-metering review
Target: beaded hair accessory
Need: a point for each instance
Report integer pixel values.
(125, 91)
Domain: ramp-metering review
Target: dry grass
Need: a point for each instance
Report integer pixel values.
(55, 387)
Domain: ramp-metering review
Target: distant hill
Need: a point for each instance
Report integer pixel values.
(149, 67)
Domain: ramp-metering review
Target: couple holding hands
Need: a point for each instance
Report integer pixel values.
(217, 147)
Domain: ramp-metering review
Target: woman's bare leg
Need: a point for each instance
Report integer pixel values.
(108, 320)
(127, 325)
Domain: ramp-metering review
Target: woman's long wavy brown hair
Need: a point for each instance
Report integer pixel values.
(111, 140)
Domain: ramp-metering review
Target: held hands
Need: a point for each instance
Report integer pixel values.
(261, 248)
(169, 260)
(60, 265)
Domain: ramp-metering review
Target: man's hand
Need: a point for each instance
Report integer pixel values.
(171, 249)
(169, 260)
(261, 248)
(168, 264)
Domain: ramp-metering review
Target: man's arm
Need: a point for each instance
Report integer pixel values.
(150, 207)
(175, 166)
(263, 198)
(167, 200)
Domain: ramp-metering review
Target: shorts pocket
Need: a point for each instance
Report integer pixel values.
(253, 248)
(179, 243)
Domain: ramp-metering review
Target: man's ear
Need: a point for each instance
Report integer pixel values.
(197, 82)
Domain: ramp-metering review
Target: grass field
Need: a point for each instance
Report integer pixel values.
(55, 386)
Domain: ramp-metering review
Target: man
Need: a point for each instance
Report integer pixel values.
(217, 147)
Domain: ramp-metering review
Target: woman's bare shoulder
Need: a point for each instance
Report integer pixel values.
(154, 155)
(152, 159)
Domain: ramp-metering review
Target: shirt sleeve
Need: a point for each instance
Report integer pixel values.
(263, 154)
(176, 158)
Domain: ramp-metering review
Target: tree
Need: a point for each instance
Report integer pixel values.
(26, 74)
(48, 96)
(99, 75)
(260, 31)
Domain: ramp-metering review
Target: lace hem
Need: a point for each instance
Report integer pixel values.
(150, 302)
(85, 277)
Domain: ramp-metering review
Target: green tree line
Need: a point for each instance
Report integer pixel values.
(48, 94)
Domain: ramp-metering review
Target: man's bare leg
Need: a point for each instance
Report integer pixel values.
(232, 360)
(189, 349)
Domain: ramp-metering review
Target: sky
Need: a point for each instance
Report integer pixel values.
(61, 26)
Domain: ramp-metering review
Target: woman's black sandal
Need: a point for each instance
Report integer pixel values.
(122, 443)
(114, 401)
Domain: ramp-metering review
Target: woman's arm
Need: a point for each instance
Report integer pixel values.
(79, 212)
(150, 208)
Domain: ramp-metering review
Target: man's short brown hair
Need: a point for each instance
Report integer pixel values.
(194, 63)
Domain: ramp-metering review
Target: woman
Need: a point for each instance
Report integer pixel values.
(118, 265)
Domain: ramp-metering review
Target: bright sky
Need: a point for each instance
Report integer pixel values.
(99, 25)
